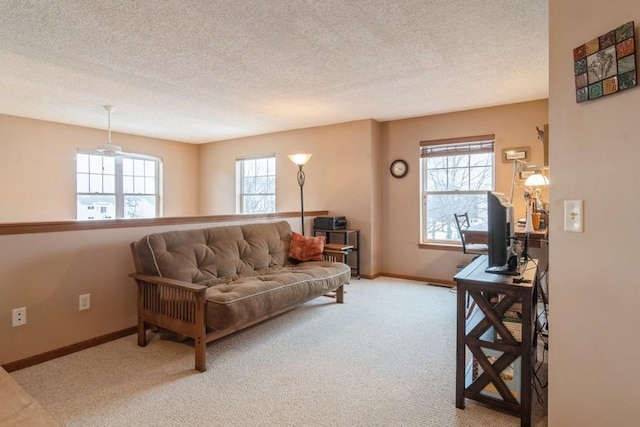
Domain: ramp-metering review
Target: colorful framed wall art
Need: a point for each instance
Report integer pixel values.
(606, 64)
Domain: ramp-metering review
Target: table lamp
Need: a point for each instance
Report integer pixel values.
(534, 183)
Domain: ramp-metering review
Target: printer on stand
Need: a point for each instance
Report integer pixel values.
(348, 244)
(330, 223)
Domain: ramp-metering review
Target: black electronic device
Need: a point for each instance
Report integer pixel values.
(500, 220)
(525, 250)
(330, 223)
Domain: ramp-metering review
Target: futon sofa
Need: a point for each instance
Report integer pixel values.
(208, 283)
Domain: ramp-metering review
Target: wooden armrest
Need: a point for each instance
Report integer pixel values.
(174, 305)
(172, 283)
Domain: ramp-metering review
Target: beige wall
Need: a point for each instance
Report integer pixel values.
(594, 325)
(338, 176)
(47, 272)
(37, 169)
(347, 175)
(513, 125)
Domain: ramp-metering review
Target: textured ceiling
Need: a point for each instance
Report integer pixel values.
(201, 71)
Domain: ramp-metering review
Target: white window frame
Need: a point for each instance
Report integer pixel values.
(119, 177)
(467, 146)
(243, 191)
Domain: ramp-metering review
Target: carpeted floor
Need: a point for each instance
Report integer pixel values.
(384, 358)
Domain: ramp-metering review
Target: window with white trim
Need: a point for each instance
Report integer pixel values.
(256, 184)
(117, 186)
(454, 178)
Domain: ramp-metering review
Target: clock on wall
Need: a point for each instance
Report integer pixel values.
(399, 168)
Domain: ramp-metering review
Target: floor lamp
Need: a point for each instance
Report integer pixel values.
(300, 160)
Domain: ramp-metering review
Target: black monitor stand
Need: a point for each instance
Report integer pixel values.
(509, 269)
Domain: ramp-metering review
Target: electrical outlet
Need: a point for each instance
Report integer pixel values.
(574, 216)
(84, 302)
(19, 316)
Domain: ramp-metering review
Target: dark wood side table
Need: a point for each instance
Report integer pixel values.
(348, 237)
(494, 365)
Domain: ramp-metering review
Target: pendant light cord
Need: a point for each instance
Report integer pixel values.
(108, 108)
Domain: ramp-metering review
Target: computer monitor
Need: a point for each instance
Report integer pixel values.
(500, 221)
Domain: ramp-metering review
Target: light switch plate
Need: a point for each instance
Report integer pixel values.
(574, 215)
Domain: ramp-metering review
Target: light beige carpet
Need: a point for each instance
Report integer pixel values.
(384, 358)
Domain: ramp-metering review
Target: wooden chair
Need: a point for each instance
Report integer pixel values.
(462, 222)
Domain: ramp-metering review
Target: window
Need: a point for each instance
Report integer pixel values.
(256, 184)
(455, 177)
(120, 186)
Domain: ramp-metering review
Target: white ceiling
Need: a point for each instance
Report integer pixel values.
(209, 70)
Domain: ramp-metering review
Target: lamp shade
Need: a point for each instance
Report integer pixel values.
(300, 159)
(536, 180)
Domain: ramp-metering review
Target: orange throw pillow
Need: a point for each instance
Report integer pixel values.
(305, 248)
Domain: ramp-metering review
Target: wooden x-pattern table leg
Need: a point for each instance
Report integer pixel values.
(491, 373)
(492, 318)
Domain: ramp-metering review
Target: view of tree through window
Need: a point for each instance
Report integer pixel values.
(454, 179)
(120, 186)
(257, 184)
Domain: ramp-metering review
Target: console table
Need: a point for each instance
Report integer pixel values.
(493, 364)
(537, 238)
(349, 237)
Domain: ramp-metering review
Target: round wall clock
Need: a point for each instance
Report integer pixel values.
(399, 168)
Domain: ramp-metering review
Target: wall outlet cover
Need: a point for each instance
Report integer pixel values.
(84, 302)
(19, 316)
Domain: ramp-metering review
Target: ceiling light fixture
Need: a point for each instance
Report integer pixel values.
(109, 149)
